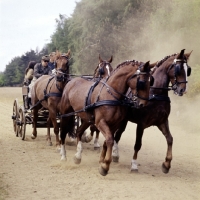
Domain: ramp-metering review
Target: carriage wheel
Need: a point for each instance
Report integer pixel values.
(22, 123)
(15, 116)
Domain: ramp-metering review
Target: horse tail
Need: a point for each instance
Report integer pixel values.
(71, 127)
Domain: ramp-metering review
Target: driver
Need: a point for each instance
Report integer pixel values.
(39, 69)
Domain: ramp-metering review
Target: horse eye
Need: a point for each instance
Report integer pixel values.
(151, 81)
(141, 85)
(189, 70)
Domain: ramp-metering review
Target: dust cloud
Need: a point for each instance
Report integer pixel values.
(173, 26)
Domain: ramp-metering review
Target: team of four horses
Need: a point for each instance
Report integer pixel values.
(133, 91)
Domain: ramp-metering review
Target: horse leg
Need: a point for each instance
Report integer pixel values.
(103, 152)
(35, 118)
(48, 132)
(80, 131)
(164, 128)
(65, 127)
(115, 151)
(56, 128)
(89, 137)
(137, 147)
(96, 140)
(105, 158)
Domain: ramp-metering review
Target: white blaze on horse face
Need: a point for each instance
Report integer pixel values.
(108, 69)
(185, 68)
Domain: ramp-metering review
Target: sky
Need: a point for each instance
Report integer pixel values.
(27, 24)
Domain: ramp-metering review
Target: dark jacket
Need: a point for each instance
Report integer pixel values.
(39, 70)
(51, 65)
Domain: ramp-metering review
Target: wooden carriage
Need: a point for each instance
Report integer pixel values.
(22, 116)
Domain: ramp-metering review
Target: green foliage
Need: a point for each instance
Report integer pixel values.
(15, 70)
(2, 79)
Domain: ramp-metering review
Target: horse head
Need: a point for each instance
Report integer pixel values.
(62, 66)
(139, 84)
(178, 72)
(104, 68)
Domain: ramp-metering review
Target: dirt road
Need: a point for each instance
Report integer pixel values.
(32, 170)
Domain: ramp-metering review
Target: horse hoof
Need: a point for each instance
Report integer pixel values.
(115, 159)
(102, 171)
(63, 158)
(165, 169)
(50, 144)
(76, 160)
(96, 148)
(134, 170)
(33, 137)
(58, 149)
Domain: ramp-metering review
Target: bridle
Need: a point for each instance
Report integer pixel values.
(62, 75)
(101, 70)
(177, 68)
(177, 71)
(127, 98)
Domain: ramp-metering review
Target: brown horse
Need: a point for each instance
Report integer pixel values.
(103, 70)
(104, 104)
(47, 92)
(172, 69)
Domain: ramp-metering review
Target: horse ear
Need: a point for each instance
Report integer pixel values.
(57, 54)
(69, 52)
(100, 60)
(181, 54)
(187, 55)
(153, 65)
(111, 58)
(146, 66)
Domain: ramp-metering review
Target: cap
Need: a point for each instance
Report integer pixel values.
(46, 57)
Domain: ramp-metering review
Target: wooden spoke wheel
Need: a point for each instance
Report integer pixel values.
(15, 116)
(22, 123)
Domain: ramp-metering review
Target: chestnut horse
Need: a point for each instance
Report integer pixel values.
(104, 104)
(172, 69)
(103, 70)
(47, 92)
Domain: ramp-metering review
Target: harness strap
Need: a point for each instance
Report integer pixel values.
(88, 98)
(94, 105)
(159, 98)
(46, 96)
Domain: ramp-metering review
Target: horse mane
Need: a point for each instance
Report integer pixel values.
(95, 71)
(134, 62)
(164, 59)
(161, 62)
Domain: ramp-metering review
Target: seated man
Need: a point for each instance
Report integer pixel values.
(39, 70)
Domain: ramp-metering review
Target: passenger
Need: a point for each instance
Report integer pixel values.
(29, 73)
(52, 57)
(27, 80)
(39, 70)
